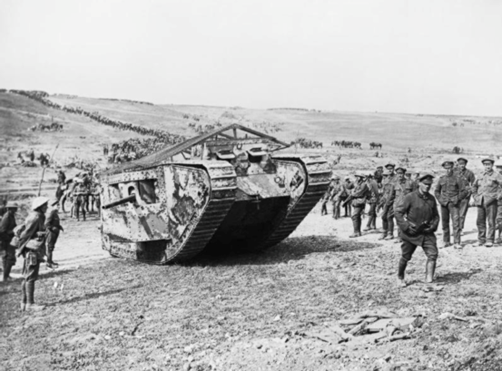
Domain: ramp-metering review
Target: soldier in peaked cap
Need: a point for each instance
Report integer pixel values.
(336, 197)
(450, 190)
(357, 199)
(417, 217)
(387, 204)
(7, 251)
(373, 196)
(468, 178)
(486, 191)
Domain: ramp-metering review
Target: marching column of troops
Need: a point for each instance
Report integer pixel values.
(404, 198)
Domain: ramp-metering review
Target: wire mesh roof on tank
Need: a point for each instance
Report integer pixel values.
(233, 133)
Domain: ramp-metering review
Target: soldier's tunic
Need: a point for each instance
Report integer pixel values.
(325, 199)
(449, 192)
(34, 223)
(53, 227)
(418, 208)
(486, 191)
(468, 178)
(337, 199)
(348, 187)
(359, 195)
(373, 196)
(7, 252)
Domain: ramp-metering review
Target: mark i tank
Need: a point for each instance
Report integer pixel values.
(225, 190)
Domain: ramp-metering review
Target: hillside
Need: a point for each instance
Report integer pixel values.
(430, 138)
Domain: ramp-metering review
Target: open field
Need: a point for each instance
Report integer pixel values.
(248, 311)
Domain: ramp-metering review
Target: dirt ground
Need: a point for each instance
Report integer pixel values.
(267, 311)
(253, 311)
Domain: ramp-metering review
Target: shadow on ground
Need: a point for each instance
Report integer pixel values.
(296, 248)
(92, 295)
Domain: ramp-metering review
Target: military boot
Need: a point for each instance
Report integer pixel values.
(357, 229)
(383, 236)
(23, 299)
(30, 305)
(430, 269)
(400, 272)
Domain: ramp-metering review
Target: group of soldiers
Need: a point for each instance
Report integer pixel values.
(82, 191)
(404, 197)
(34, 240)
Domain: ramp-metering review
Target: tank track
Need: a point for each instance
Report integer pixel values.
(318, 177)
(223, 185)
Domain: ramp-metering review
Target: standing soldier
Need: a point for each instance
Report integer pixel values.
(336, 197)
(32, 242)
(373, 196)
(498, 219)
(485, 195)
(387, 203)
(468, 178)
(449, 192)
(53, 227)
(8, 252)
(348, 186)
(327, 197)
(417, 217)
(79, 194)
(358, 200)
(378, 174)
(402, 186)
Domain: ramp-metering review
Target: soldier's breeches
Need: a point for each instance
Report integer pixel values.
(429, 246)
(52, 238)
(463, 208)
(357, 213)
(388, 218)
(498, 219)
(486, 215)
(30, 268)
(336, 209)
(450, 212)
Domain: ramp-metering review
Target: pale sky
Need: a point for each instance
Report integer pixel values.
(370, 55)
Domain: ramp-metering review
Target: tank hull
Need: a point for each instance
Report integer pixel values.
(206, 205)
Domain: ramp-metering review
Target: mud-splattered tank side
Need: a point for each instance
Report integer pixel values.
(169, 211)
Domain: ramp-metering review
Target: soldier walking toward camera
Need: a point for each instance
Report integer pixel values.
(357, 199)
(486, 191)
(32, 243)
(8, 252)
(449, 192)
(417, 218)
(53, 227)
(468, 178)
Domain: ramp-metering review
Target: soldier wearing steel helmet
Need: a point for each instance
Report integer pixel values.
(450, 190)
(468, 178)
(486, 191)
(34, 231)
